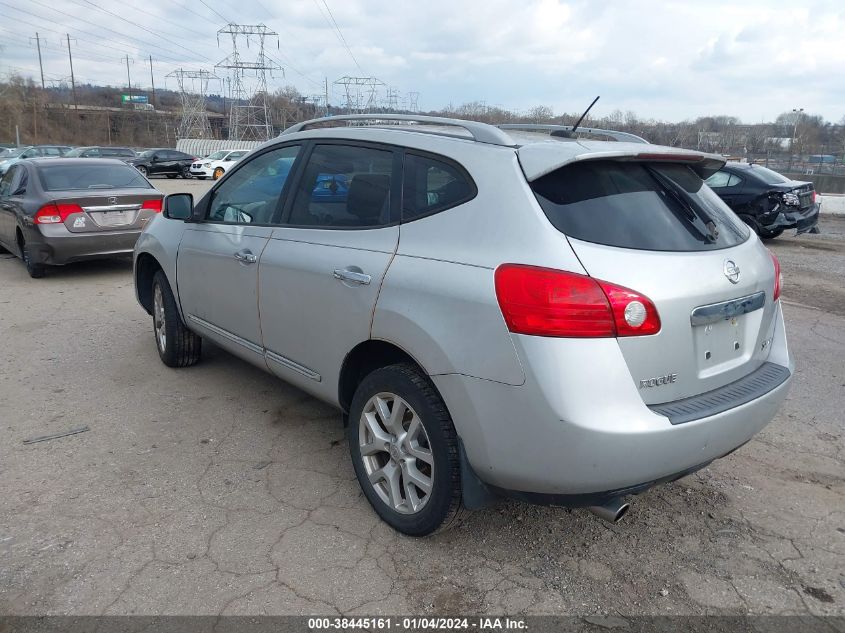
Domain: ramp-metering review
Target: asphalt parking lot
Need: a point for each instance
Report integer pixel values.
(220, 490)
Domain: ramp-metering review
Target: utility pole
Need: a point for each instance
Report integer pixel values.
(72, 80)
(128, 78)
(152, 80)
(40, 65)
(327, 96)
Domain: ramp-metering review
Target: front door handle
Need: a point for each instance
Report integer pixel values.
(246, 257)
(353, 277)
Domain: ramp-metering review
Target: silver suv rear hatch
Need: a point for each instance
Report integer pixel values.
(648, 222)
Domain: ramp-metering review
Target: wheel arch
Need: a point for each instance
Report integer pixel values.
(364, 358)
(146, 266)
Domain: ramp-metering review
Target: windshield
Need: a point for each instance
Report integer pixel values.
(656, 206)
(88, 176)
(147, 154)
(218, 155)
(768, 176)
(75, 152)
(14, 152)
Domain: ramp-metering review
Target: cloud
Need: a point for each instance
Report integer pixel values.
(667, 59)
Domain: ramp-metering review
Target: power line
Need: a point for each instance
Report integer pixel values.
(213, 10)
(124, 45)
(153, 15)
(120, 17)
(185, 6)
(332, 23)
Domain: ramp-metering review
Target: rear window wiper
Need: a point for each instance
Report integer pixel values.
(694, 214)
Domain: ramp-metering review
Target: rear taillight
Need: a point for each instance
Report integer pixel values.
(813, 196)
(547, 302)
(778, 277)
(152, 205)
(55, 213)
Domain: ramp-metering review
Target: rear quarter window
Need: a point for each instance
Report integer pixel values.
(432, 185)
(656, 207)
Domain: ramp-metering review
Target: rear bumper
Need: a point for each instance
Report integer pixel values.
(55, 245)
(804, 221)
(578, 429)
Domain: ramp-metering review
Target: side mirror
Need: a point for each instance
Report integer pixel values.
(178, 206)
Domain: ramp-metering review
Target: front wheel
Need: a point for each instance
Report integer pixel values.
(177, 346)
(405, 450)
(218, 173)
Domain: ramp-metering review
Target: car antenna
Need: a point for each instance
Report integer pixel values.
(571, 133)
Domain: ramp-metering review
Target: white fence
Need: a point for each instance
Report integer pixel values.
(205, 146)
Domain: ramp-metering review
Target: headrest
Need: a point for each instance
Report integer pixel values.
(368, 195)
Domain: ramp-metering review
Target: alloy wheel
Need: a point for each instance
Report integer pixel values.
(396, 453)
(159, 319)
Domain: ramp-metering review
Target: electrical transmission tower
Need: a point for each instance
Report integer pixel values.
(249, 116)
(391, 100)
(413, 101)
(193, 86)
(360, 93)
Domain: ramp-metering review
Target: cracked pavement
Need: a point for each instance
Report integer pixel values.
(221, 490)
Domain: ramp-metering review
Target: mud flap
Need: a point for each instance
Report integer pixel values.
(476, 494)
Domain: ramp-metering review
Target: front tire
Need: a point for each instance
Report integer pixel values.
(404, 450)
(177, 346)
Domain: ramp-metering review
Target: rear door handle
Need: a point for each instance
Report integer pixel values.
(246, 257)
(353, 277)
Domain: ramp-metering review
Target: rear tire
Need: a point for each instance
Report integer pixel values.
(186, 173)
(766, 234)
(392, 454)
(769, 234)
(177, 346)
(36, 271)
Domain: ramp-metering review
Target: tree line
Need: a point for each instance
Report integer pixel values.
(48, 116)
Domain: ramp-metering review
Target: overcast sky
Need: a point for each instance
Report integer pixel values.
(669, 60)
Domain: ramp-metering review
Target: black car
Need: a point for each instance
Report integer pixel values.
(765, 200)
(168, 162)
(123, 153)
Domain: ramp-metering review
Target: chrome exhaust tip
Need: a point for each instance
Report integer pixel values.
(612, 511)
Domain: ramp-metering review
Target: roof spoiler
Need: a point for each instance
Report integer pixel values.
(567, 131)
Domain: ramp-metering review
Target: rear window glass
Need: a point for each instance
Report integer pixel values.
(768, 176)
(88, 176)
(657, 207)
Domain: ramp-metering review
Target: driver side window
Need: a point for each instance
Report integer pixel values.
(251, 194)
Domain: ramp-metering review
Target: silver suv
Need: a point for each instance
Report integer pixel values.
(495, 312)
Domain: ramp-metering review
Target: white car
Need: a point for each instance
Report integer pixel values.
(218, 163)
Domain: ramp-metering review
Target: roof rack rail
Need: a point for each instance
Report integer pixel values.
(480, 132)
(541, 127)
